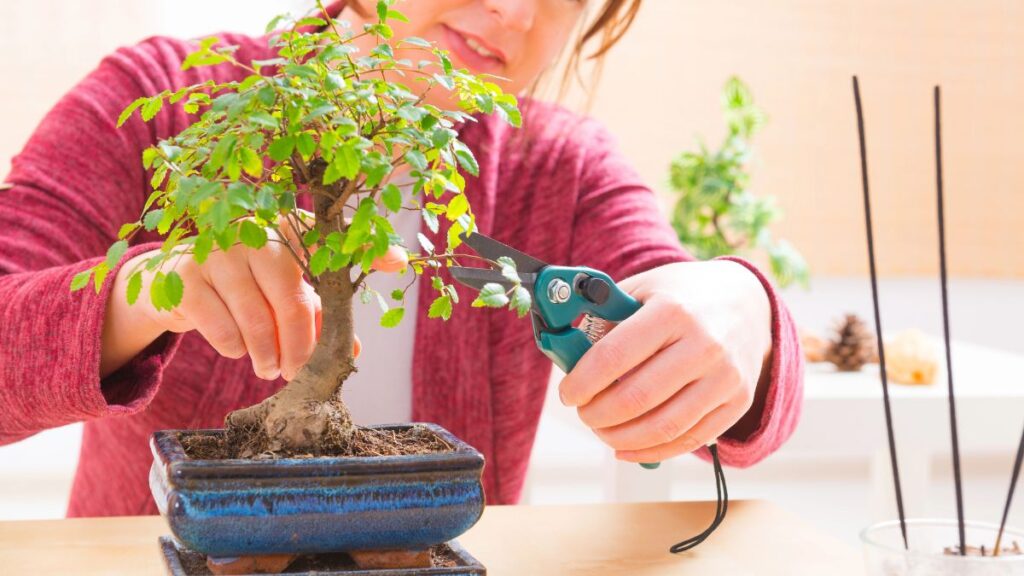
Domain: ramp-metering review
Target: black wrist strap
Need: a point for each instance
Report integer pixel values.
(720, 509)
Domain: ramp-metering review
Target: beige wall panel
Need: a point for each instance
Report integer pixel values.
(661, 88)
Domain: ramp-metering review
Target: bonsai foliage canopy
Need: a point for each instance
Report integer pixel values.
(323, 119)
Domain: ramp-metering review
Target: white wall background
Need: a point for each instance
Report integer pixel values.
(50, 44)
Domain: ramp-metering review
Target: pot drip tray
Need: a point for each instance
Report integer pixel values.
(449, 560)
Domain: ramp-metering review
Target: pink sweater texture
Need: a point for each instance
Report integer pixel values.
(559, 189)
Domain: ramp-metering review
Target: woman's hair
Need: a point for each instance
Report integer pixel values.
(612, 21)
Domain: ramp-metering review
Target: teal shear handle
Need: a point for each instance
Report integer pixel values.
(561, 295)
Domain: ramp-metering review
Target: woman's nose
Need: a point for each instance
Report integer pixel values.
(516, 14)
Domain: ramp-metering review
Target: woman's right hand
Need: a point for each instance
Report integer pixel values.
(242, 301)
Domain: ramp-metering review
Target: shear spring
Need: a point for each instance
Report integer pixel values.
(595, 328)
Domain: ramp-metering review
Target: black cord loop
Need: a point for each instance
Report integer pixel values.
(720, 510)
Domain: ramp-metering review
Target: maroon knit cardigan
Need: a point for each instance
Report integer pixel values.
(558, 190)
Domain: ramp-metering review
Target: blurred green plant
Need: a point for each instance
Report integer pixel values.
(716, 214)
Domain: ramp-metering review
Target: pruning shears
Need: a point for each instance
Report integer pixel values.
(560, 295)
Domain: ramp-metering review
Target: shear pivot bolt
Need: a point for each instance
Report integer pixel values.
(559, 291)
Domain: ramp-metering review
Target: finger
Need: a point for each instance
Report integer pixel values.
(649, 385)
(234, 282)
(279, 277)
(671, 420)
(212, 319)
(709, 429)
(625, 347)
(394, 260)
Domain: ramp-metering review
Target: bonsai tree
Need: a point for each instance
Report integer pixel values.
(716, 214)
(324, 120)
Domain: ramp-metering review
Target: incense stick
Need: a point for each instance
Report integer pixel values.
(945, 326)
(878, 318)
(1009, 494)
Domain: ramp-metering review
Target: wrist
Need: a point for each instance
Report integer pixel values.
(127, 329)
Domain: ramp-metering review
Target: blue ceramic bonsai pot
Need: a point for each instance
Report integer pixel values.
(316, 505)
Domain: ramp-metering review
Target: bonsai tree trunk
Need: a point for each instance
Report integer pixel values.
(308, 410)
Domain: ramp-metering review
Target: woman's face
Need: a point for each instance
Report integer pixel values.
(514, 39)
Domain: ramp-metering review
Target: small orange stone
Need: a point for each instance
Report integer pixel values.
(381, 559)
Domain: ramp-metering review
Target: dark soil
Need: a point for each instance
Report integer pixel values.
(195, 563)
(364, 442)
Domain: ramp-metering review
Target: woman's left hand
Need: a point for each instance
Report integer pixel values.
(683, 369)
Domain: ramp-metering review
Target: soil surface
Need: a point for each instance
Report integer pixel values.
(195, 563)
(364, 442)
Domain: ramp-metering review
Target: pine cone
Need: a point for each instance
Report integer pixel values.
(853, 345)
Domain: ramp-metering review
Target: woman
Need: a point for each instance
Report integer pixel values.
(712, 353)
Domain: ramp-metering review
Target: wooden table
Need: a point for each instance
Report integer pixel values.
(587, 540)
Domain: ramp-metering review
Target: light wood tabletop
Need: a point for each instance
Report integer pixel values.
(757, 538)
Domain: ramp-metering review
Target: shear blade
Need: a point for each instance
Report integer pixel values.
(492, 250)
(478, 277)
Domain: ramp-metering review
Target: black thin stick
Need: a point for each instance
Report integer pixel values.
(1009, 493)
(945, 327)
(878, 317)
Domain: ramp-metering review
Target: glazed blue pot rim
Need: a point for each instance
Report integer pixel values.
(167, 448)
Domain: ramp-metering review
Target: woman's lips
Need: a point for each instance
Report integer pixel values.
(457, 45)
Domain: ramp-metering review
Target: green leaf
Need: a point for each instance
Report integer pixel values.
(263, 118)
(521, 301)
(397, 294)
(306, 144)
(417, 41)
(134, 287)
(221, 151)
(252, 234)
(115, 252)
(319, 261)
(508, 269)
(99, 275)
(81, 280)
(174, 288)
(148, 156)
(131, 110)
(152, 107)
(392, 317)
(203, 245)
(312, 21)
(492, 295)
(425, 242)
(392, 198)
(416, 159)
(152, 219)
(431, 220)
(251, 163)
(240, 194)
(281, 148)
(310, 237)
(396, 15)
(156, 292)
(465, 158)
(441, 308)
(457, 206)
(221, 215)
(127, 229)
(345, 165)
